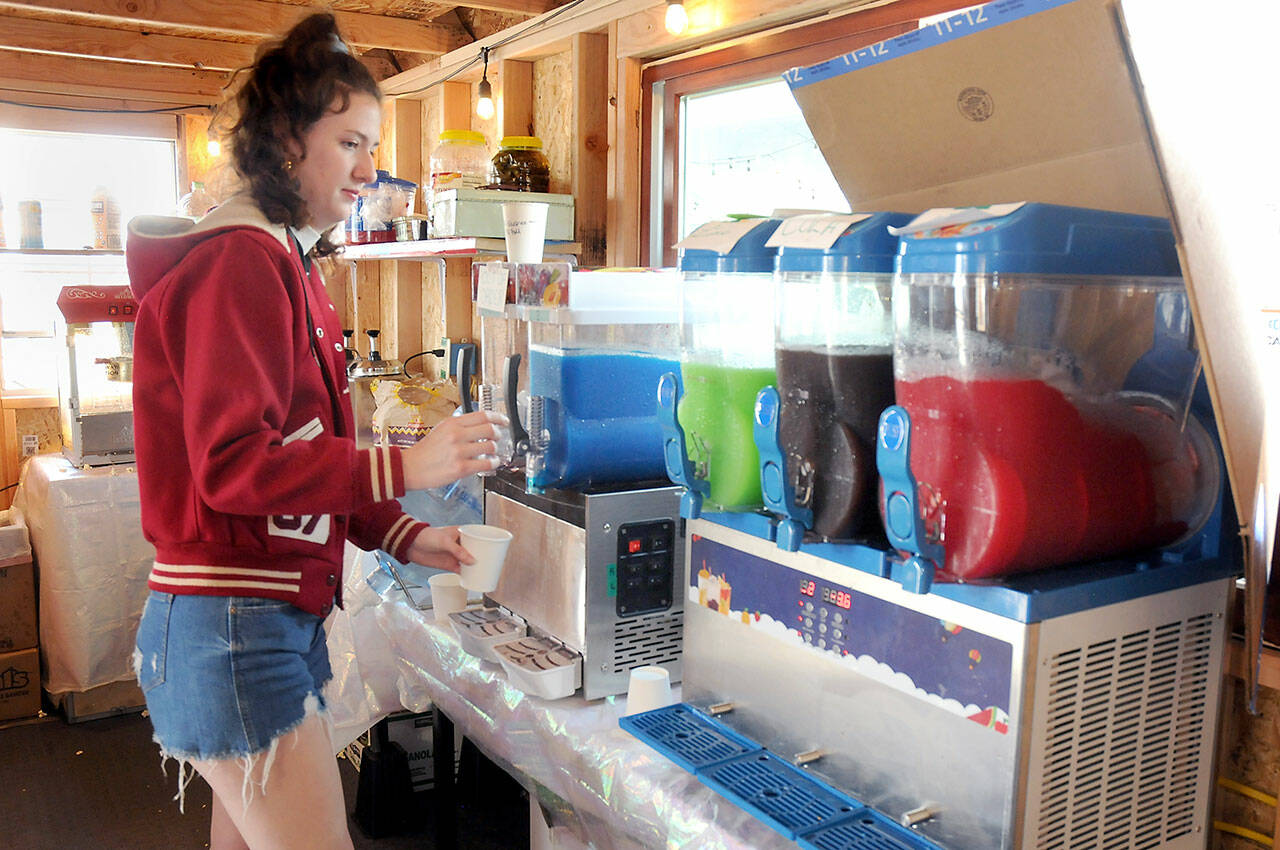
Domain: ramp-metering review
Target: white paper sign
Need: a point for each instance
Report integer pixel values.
(813, 231)
(491, 289)
(948, 216)
(719, 236)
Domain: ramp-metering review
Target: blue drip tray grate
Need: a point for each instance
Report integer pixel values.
(866, 830)
(776, 791)
(686, 737)
(788, 799)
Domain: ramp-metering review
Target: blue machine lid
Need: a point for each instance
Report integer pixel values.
(747, 256)
(1046, 239)
(867, 246)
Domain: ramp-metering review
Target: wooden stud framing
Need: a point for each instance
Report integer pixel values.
(68, 75)
(254, 18)
(99, 42)
(591, 144)
(517, 97)
(622, 212)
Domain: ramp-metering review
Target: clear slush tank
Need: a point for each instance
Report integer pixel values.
(726, 358)
(1047, 362)
(599, 382)
(835, 371)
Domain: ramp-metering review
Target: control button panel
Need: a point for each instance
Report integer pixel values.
(646, 567)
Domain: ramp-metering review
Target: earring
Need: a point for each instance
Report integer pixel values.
(288, 165)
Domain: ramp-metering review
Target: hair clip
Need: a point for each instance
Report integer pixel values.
(338, 45)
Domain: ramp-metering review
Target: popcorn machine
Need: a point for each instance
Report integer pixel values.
(95, 373)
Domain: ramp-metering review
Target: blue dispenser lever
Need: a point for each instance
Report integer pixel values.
(903, 522)
(775, 483)
(674, 453)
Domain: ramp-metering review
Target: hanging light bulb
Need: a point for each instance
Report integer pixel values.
(484, 103)
(214, 148)
(677, 17)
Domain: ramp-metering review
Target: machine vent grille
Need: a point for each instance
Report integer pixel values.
(1126, 720)
(647, 640)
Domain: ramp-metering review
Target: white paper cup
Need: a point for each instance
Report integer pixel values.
(526, 228)
(488, 545)
(649, 688)
(447, 595)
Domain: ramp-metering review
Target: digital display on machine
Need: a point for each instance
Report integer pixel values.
(837, 597)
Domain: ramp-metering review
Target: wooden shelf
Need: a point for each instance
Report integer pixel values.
(429, 249)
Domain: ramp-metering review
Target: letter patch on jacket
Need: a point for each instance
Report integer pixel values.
(313, 528)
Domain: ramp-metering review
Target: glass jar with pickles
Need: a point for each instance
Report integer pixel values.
(520, 165)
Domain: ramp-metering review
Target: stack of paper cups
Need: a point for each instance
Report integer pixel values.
(650, 688)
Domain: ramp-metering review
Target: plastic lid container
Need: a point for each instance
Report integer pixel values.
(1046, 359)
(459, 161)
(520, 165)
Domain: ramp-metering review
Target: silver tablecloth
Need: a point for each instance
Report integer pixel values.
(613, 791)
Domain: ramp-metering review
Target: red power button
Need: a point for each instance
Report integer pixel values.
(633, 546)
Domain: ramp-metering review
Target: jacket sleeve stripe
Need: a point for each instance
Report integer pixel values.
(387, 477)
(397, 528)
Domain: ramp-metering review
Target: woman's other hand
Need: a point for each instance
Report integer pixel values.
(457, 447)
(440, 547)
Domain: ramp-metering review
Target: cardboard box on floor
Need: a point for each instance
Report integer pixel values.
(1092, 104)
(19, 684)
(17, 605)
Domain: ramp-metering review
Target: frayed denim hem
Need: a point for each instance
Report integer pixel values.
(248, 763)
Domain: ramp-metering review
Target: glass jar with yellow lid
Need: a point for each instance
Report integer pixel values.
(520, 165)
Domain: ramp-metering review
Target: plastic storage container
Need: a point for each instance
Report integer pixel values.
(379, 204)
(726, 357)
(459, 161)
(520, 165)
(1046, 359)
(835, 371)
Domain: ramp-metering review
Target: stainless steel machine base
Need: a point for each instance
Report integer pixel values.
(1092, 729)
(601, 573)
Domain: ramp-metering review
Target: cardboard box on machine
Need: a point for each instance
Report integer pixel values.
(19, 684)
(1128, 106)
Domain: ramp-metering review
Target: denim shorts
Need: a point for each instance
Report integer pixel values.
(225, 676)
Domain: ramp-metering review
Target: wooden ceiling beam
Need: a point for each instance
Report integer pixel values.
(253, 18)
(121, 45)
(519, 7)
(41, 72)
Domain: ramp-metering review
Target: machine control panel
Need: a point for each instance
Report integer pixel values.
(646, 567)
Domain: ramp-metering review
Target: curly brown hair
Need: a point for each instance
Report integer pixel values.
(293, 82)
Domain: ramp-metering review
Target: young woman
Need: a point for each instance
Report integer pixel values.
(250, 478)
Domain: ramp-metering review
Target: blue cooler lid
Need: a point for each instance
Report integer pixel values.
(867, 246)
(1045, 239)
(748, 255)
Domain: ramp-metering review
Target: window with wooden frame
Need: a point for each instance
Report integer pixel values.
(720, 128)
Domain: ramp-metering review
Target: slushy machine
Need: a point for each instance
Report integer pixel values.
(593, 581)
(960, 554)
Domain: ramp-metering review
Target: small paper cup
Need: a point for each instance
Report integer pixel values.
(488, 545)
(525, 223)
(447, 595)
(649, 688)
